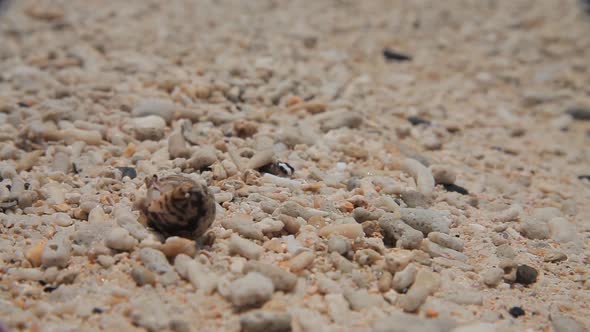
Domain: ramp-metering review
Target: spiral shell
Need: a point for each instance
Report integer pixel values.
(178, 206)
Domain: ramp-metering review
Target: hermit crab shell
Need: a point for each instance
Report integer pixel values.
(176, 205)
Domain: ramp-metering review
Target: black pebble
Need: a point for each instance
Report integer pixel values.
(579, 113)
(128, 171)
(416, 120)
(456, 188)
(526, 275)
(391, 55)
(97, 310)
(20, 103)
(49, 289)
(584, 177)
(516, 312)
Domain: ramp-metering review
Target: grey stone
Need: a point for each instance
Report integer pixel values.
(535, 229)
(425, 220)
(265, 320)
(143, 276)
(202, 158)
(403, 279)
(154, 260)
(415, 199)
(251, 290)
(341, 263)
(361, 299)
(446, 241)
(282, 280)
(402, 322)
(339, 244)
(436, 250)
(57, 252)
(119, 239)
(505, 251)
(150, 127)
(244, 247)
(492, 276)
(361, 214)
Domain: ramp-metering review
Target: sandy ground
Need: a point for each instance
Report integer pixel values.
(435, 190)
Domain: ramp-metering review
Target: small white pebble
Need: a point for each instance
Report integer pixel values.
(244, 247)
(251, 290)
(119, 239)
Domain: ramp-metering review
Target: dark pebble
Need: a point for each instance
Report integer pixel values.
(97, 310)
(391, 55)
(128, 171)
(584, 177)
(516, 312)
(579, 113)
(456, 188)
(21, 103)
(416, 120)
(526, 275)
(49, 289)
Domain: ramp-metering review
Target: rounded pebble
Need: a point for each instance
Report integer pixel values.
(175, 246)
(446, 240)
(264, 320)
(253, 289)
(425, 220)
(351, 231)
(119, 239)
(150, 127)
(282, 280)
(56, 253)
(526, 275)
(403, 279)
(244, 247)
(302, 261)
(143, 276)
(339, 244)
(492, 276)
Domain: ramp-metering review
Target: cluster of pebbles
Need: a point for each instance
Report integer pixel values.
(443, 191)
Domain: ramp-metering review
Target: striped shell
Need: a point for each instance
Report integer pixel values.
(178, 206)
